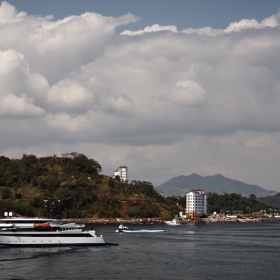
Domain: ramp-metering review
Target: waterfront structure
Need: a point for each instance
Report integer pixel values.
(122, 173)
(196, 203)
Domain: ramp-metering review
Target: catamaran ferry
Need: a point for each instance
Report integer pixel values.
(34, 232)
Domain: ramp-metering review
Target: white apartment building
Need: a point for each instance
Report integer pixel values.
(196, 203)
(122, 173)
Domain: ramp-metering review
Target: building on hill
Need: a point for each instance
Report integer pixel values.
(196, 203)
(122, 173)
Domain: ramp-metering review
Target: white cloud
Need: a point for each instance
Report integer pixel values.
(120, 104)
(16, 76)
(251, 23)
(68, 94)
(8, 13)
(13, 106)
(10, 61)
(186, 92)
(149, 29)
(203, 31)
(206, 97)
(64, 122)
(243, 24)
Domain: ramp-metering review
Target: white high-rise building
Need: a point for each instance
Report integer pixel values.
(122, 173)
(196, 203)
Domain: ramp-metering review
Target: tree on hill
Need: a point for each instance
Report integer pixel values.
(82, 163)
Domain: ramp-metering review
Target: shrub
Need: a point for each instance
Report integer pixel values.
(6, 193)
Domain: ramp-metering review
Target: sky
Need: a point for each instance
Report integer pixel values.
(166, 88)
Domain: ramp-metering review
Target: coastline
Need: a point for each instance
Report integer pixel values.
(181, 220)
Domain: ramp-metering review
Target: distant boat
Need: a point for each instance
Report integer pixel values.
(174, 222)
(123, 228)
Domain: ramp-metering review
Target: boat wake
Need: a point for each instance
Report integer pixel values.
(143, 230)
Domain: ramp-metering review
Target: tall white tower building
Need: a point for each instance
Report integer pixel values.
(122, 173)
(196, 203)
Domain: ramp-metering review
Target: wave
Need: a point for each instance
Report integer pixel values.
(143, 230)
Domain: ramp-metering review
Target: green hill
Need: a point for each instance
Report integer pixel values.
(273, 200)
(217, 183)
(235, 203)
(77, 190)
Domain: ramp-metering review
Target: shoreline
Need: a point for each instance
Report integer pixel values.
(162, 221)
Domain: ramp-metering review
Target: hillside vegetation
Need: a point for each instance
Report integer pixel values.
(77, 190)
(273, 200)
(235, 203)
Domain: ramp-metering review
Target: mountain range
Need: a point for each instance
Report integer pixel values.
(219, 184)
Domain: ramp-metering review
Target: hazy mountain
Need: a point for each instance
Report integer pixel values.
(217, 183)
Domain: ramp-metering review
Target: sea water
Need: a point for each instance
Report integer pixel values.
(204, 251)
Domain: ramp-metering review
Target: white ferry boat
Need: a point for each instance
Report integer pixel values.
(34, 232)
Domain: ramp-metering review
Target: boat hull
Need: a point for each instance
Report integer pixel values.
(55, 245)
(50, 239)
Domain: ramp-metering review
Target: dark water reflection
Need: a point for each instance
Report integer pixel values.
(211, 251)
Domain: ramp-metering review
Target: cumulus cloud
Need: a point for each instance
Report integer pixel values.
(10, 61)
(120, 104)
(202, 91)
(252, 23)
(187, 93)
(148, 29)
(8, 13)
(243, 24)
(65, 122)
(16, 76)
(13, 106)
(69, 95)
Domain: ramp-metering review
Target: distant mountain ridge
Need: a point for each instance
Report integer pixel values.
(181, 184)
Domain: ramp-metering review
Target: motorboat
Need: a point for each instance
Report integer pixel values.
(174, 222)
(43, 232)
(123, 228)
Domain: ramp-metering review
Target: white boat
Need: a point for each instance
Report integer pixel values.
(174, 222)
(43, 232)
(123, 228)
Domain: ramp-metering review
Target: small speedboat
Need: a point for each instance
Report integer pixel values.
(174, 222)
(123, 228)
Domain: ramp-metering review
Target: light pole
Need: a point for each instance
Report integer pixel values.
(249, 209)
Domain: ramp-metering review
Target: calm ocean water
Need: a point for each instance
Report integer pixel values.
(210, 251)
